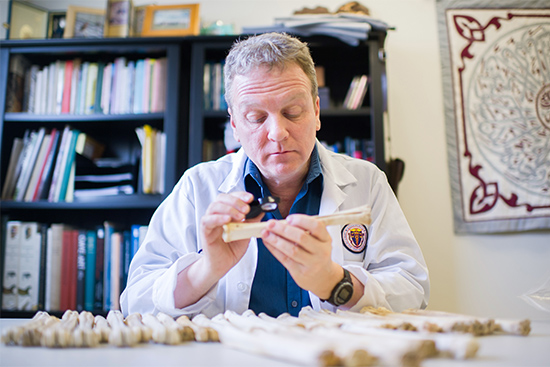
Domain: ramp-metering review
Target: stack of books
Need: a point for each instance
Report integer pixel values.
(85, 87)
(356, 92)
(59, 267)
(42, 164)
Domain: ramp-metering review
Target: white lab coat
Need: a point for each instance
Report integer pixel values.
(392, 268)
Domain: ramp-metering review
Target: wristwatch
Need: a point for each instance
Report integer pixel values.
(342, 292)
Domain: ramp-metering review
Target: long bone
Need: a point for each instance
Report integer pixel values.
(241, 230)
(301, 350)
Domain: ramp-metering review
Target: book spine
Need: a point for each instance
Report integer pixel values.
(68, 166)
(99, 269)
(91, 242)
(43, 258)
(47, 171)
(81, 270)
(29, 267)
(11, 265)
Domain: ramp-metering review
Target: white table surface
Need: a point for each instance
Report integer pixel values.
(500, 350)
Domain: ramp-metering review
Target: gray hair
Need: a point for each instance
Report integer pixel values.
(269, 49)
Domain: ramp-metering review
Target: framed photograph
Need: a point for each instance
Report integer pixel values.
(84, 22)
(27, 21)
(57, 20)
(117, 23)
(171, 20)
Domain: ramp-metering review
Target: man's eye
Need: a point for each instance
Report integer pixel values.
(255, 117)
(294, 112)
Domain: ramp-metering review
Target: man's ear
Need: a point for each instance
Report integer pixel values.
(318, 113)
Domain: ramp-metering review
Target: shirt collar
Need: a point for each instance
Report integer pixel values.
(250, 169)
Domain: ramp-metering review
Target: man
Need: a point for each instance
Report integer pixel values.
(185, 267)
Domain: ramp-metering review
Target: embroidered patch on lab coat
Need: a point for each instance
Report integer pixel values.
(354, 237)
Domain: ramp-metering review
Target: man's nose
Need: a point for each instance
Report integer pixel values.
(277, 128)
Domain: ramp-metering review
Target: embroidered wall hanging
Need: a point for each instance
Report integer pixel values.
(496, 81)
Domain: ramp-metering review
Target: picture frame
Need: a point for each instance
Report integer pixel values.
(118, 18)
(57, 21)
(171, 20)
(27, 21)
(82, 22)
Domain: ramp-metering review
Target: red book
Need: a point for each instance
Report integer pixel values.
(68, 270)
(66, 101)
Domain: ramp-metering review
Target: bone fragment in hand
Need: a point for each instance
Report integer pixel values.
(239, 231)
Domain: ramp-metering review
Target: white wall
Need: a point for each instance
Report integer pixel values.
(476, 274)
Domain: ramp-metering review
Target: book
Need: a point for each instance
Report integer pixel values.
(82, 89)
(15, 87)
(59, 86)
(89, 147)
(106, 88)
(116, 269)
(29, 266)
(45, 180)
(31, 95)
(81, 270)
(91, 86)
(104, 191)
(42, 273)
(65, 178)
(360, 92)
(98, 88)
(13, 234)
(67, 87)
(75, 78)
(9, 181)
(28, 164)
(99, 269)
(53, 195)
(90, 276)
(138, 87)
(68, 269)
(53, 267)
(126, 258)
(160, 162)
(109, 229)
(37, 169)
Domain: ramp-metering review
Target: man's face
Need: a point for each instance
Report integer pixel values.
(274, 117)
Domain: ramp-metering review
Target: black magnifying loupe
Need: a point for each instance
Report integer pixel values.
(265, 204)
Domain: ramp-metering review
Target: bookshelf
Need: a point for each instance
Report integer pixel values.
(189, 124)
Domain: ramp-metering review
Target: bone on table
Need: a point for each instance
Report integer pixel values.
(290, 348)
(134, 322)
(60, 334)
(121, 335)
(83, 334)
(101, 328)
(243, 230)
(185, 333)
(202, 334)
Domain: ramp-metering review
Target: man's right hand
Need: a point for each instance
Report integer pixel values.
(218, 257)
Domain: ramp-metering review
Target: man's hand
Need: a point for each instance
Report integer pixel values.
(226, 208)
(218, 257)
(303, 246)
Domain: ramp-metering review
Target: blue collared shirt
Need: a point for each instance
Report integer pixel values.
(273, 289)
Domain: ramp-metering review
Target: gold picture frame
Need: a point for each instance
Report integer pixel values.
(171, 20)
(82, 22)
(27, 21)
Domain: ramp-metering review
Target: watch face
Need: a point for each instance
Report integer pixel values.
(344, 293)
